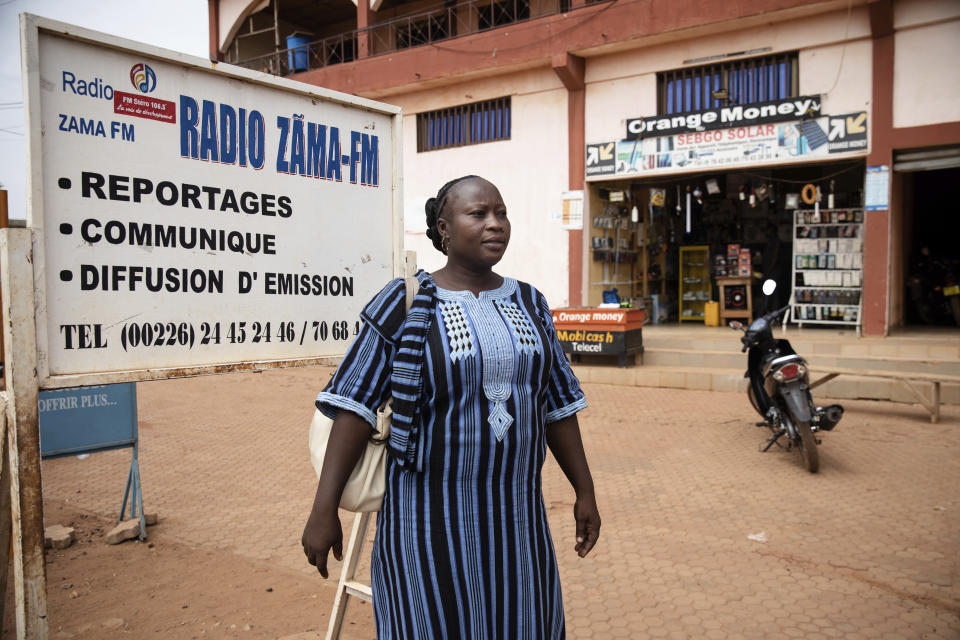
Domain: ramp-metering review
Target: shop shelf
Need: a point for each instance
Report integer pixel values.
(695, 283)
(805, 251)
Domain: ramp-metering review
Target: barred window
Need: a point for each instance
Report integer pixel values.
(497, 14)
(474, 123)
(431, 29)
(738, 82)
(338, 50)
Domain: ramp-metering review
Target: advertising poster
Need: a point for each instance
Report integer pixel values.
(878, 188)
(600, 159)
(571, 215)
(744, 146)
(194, 217)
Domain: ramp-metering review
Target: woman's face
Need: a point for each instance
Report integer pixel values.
(474, 218)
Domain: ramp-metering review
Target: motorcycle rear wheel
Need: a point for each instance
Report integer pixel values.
(808, 447)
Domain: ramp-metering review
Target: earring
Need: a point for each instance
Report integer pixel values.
(445, 244)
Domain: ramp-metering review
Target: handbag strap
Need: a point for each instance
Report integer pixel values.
(412, 284)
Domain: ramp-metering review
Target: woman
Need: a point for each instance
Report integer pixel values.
(480, 388)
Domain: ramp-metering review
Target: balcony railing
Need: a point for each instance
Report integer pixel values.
(427, 27)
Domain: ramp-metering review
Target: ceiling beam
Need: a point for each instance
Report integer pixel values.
(881, 18)
(570, 69)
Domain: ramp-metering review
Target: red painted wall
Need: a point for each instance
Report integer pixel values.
(535, 42)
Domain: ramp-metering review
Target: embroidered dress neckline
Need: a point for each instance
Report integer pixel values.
(506, 288)
(496, 346)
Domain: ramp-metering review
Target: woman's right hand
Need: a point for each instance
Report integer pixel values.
(322, 534)
(348, 437)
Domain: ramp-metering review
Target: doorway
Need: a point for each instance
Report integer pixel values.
(930, 246)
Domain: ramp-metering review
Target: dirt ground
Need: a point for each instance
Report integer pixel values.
(208, 466)
(165, 588)
(703, 536)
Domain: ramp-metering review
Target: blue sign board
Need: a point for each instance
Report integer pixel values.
(87, 419)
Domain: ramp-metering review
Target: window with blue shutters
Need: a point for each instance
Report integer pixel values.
(724, 84)
(458, 126)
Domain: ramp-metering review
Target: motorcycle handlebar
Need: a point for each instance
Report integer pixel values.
(776, 314)
(749, 337)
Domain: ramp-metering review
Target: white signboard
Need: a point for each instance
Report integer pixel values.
(193, 215)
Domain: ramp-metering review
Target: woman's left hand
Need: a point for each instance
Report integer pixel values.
(587, 515)
(563, 438)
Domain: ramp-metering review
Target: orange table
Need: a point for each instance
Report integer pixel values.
(606, 332)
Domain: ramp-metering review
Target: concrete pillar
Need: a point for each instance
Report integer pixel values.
(877, 237)
(570, 69)
(365, 18)
(213, 20)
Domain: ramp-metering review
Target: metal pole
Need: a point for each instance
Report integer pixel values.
(23, 434)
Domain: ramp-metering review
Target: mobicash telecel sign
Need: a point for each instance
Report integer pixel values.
(785, 110)
(196, 214)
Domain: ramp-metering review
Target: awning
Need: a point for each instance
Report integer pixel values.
(926, 159)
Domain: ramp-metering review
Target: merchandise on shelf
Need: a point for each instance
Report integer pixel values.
(827, 266)
(695, 284)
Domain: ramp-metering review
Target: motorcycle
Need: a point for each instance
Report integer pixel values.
(934, 289)
(779, 388)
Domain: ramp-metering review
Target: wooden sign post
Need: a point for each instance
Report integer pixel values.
(23, 433)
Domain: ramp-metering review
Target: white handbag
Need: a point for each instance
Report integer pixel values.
(365, 487)
(367, 481)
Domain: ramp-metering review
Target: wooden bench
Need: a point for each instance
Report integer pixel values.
(932, 405)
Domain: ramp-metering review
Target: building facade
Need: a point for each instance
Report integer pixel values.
(816, 139)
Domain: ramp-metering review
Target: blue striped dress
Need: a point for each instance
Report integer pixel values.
(462, 547)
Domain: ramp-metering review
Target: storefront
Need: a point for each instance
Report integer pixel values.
(687, 203)
(927, 260)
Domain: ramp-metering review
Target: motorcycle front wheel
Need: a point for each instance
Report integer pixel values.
(808, 446)
(753, 398)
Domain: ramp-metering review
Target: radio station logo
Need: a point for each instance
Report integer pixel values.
(143, 78)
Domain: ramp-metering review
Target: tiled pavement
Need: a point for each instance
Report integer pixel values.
(867, 548)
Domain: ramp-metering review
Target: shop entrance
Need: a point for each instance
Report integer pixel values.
(668, 242)
(931, 247)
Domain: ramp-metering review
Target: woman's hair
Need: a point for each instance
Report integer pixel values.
(434, 208)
